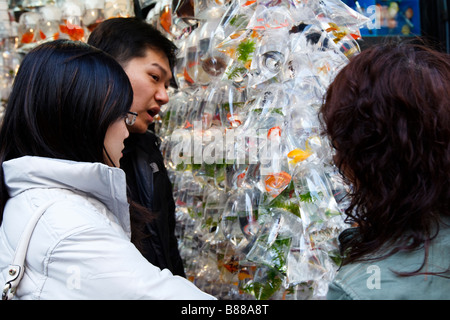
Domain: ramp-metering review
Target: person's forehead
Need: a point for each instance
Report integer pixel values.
(157, 58)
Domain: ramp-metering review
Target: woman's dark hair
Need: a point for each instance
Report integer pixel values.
(64, 97)
(128, 38)
(387, 114)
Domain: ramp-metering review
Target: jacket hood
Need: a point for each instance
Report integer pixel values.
(106, 184)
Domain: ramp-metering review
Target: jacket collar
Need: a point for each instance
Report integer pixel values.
(143, 141)
(106, 184)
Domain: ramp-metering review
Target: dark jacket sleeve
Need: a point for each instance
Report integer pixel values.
(150, 186)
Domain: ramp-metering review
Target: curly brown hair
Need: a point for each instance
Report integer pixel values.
(387, 114)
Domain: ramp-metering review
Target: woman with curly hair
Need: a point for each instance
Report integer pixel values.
(387, 115)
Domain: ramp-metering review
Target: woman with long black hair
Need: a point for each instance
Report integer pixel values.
(61, 141)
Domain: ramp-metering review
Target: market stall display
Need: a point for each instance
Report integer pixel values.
(259, 201)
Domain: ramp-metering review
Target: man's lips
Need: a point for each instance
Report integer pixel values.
(152, 113)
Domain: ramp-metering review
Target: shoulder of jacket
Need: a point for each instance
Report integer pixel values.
(153, 137)
(69, 208)
(348, 282)
(72, 213)
(336, 291)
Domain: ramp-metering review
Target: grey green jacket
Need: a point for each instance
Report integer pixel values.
(375, 280)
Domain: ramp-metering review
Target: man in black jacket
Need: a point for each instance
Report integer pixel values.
(148, 58)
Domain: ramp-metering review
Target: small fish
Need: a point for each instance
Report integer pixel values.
(298, 155)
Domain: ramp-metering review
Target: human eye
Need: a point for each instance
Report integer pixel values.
(155, 77)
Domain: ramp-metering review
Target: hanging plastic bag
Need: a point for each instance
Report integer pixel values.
(271, 17)
(270, 56)
(49, 30)
(28, 30)
(71, 26)
(119, 8)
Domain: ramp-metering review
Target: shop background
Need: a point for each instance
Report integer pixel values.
(406, 18)
(427, 18)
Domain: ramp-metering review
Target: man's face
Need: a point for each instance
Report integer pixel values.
(150, 77)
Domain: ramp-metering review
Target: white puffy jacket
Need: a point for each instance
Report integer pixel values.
(80, 248)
